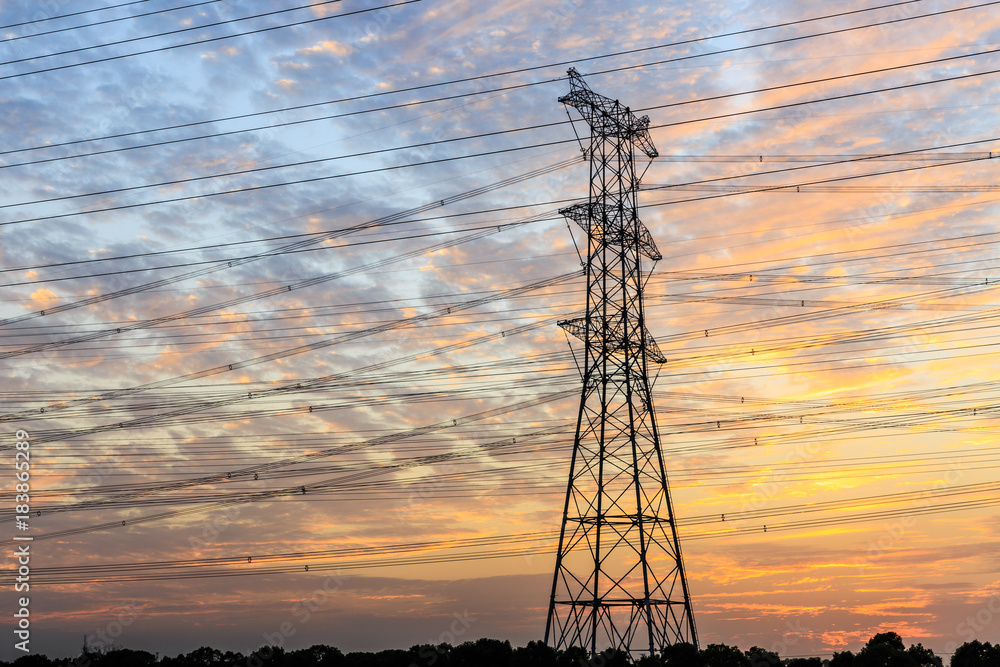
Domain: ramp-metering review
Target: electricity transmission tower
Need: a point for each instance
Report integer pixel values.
(619, 580)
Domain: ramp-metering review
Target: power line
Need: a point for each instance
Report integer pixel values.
(481, 135)
(440, 141)
(163, 34)
(303, 163)
(63, 16)
(523, 544)
(295, 491)
(461, 157)
(880, 305)
(297, 285)
(450, 159)
(309, 241)
(341, 246)
(184, 568)
(97, 23)
(466, 79)
(310, 347)
(315, 179)
(831, 98)
(350, 477)
(806, 184)
(823, 160)
(793, 39)
(203, 41)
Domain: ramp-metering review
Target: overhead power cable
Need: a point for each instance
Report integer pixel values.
(831, 98)
(349, 478)
(975, 157)
(471, 549)
(231, 244)
(921, 155)
(66, 16)
(202, 41)
(794, 39)
(282, 354)
(164, 34)
(919, 503)
(323, 248)
(878, 305)
(881, 70)
(243, 172)
(295, 490)
(146, 324)
(350, 388)
(309, 241)
(274, 291)
(808, 188)
(315, 179)
(104, 22)
(479, 77)
(763, 158)
(805, 184)
(877, 515)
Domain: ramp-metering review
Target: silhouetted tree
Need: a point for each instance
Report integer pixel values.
(923, 657)
(890, 639)
(574, 656)
(429, 655)
(234, 659)
(976, 654)
(759, 657)
(886, 649)
(804, 662)
(271, 656)
(209, 657)
(882, 650)
(610, 658)
(124, 657)
(682, 655)
(32, 660)
(535, 654)
(882, 655)
(482, 653)
(720, 655)
(317, 655)
(842, 659)
(654, 660)
(388, 658)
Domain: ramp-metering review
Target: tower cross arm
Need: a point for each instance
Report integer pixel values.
(641, 138)
(616, 344)
(608, 117)
(604, 223)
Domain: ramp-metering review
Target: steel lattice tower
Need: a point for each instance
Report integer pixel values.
(619, 579)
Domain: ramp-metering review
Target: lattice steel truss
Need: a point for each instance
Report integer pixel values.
(619, 578)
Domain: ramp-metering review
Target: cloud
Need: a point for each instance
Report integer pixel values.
(784, 387)
(327, 46)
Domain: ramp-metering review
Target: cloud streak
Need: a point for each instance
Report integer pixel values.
(788, 382)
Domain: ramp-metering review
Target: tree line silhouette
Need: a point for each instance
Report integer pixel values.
(882, 650)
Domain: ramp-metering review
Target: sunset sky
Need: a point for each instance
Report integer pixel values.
(280, 291)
